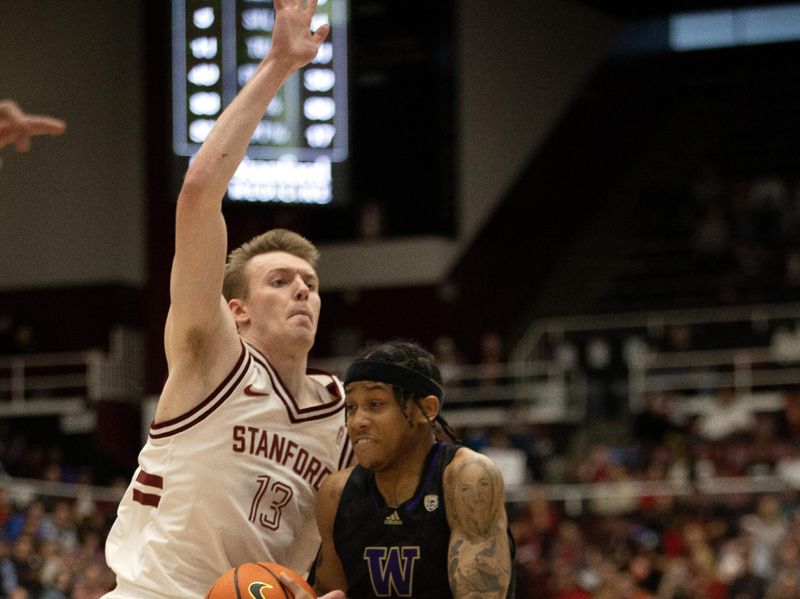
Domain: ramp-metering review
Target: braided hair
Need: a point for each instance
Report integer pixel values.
(413, 356)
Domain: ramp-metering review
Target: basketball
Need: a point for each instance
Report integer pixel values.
(255, 581)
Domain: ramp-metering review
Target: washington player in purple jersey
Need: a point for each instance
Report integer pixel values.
(416, 517)
(243, 433)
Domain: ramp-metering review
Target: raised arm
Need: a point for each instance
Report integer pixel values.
(329, 572)
(479, 558)
(200, 327)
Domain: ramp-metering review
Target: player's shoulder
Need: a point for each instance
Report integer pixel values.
(330, 382)
(333, 485)
(466, 457)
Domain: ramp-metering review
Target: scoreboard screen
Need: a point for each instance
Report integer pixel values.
(300, 149)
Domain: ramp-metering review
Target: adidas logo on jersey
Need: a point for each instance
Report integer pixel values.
(393, 519)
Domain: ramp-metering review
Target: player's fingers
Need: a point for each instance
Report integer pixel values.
(294, 586)
(311, 5)
(10, 111)
(45, 125)
(321, 33)
(334, 595)
(22, 143)
(6, 137)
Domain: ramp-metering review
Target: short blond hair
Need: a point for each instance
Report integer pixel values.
(234, 284)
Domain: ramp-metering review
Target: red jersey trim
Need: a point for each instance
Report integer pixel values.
(151, 480)
(197, 414)
(295, 413)
(146, 498)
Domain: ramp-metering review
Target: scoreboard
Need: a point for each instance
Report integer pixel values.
(299, 151)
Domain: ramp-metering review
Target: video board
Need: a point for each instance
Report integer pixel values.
(299, 151)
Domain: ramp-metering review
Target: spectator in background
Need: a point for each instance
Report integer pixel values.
(59, 526)
(448, 357)
(60, 587)
(785, 585)
(492, 366)
(766, 529)
(599, 378)
(511, 460)
(652, 425)
(534, 531)
(727, 417)
(744, 583)
(26, 563)
(27, 520)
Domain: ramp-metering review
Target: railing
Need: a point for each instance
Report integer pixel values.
(528, 389)
(579, 498)
(23, 490)
(756, 374)
(528, 392)
(541, 330)
(56, 383)
(66, 382)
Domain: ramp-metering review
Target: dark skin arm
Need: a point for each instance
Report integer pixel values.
(329, 571)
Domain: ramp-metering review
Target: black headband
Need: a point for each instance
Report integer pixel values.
(393, 374)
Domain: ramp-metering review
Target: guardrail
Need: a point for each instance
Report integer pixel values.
(67, 382)
(49, 383)
(758, 374)
(528, 392)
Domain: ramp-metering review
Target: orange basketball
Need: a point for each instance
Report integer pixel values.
(255, 581)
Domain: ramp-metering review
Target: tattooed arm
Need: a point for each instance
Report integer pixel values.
(479, 558)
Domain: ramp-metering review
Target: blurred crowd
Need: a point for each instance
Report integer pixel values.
(740, 543)
(51, 544)
(52, 548)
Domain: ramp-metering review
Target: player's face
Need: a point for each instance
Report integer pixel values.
(377, 427)
(283, 302)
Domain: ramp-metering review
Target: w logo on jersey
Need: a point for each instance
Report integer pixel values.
(391, 570)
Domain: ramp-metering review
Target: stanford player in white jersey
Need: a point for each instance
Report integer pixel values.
(243, 434)
(236, 477)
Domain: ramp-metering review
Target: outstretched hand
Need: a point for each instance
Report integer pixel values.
(300, 593)
(293, 42)
(18, 128)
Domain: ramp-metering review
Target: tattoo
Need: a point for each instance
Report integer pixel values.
(453, 554)
(479, 563)
(474, 497)
(472, 571)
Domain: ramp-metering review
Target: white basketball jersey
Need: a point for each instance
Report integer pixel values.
(234, 480)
